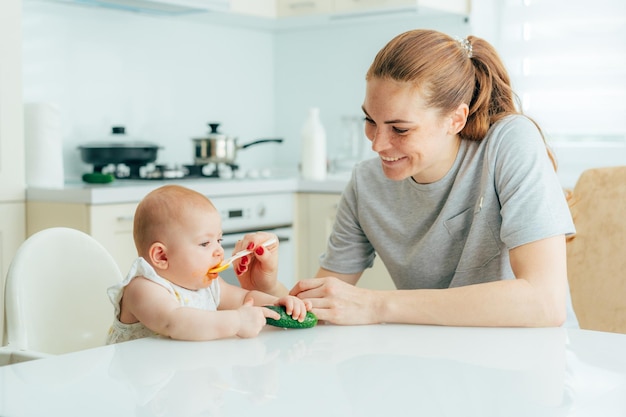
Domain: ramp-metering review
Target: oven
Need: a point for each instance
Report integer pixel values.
(273, 213)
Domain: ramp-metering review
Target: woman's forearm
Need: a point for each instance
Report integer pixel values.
(500, 303)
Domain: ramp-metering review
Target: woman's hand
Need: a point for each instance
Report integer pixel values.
(338, 302)
(259, 270)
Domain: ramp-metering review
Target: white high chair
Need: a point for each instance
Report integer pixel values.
(56, 299)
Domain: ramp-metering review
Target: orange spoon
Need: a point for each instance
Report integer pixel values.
(228, 262)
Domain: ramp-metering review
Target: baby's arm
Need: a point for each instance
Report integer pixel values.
(157, 309)
(232, 296)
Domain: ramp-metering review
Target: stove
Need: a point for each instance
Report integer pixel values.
(162, 172)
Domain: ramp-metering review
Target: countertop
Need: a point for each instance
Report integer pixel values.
(131, 191)
(377, 370)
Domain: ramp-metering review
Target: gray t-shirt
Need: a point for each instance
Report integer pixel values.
(501, 192)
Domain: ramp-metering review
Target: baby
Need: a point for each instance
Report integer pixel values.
(169, 291)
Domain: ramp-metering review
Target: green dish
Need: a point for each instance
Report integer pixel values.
(98, 178)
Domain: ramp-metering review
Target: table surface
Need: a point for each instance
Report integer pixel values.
(378, 370)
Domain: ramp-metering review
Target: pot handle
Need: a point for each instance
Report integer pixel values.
(261, 141)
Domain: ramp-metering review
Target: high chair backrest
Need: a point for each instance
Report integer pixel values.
(56, 299)
(596, 255)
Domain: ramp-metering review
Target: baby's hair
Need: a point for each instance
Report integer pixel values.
(162, 209)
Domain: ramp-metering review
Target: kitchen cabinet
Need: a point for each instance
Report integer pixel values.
(261, 8)
(12, 173)
(314, 221)
(109, 224)
(290, 8)
(356, 6)
(284, 15)
(299, 14)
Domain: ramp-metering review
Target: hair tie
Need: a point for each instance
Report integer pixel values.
(466, 45)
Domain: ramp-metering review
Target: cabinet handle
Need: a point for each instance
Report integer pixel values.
(302, 5)
(125, 218)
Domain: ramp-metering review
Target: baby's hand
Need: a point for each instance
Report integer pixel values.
(295, 307)
(252, 319)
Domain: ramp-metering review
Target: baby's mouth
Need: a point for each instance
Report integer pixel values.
(212, 275)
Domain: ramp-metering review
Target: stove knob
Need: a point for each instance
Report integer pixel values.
(226, 174)
(253, 173)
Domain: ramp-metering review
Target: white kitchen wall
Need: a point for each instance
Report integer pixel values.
(163, 78)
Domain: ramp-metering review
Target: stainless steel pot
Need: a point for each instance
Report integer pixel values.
(220, 148)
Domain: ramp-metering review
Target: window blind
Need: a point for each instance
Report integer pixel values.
(567, 61)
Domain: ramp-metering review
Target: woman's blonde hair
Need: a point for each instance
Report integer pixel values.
(449, 72)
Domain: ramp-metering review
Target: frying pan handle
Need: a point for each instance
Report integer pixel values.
(261, 141)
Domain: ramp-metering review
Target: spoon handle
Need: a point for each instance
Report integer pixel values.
(243, 253)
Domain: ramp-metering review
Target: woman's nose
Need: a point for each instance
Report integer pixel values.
(379, 141)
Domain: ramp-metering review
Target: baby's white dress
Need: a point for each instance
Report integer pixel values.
(204, 299)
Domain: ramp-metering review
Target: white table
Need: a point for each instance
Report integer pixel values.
(383, 370)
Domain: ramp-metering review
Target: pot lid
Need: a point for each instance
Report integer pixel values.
(118, 139)
(214, 134)
(125, 145)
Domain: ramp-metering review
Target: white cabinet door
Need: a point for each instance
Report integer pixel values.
(450, 6)
(263, 8)
(12, 234)
(314, 222)
(290, 8)
(12, 173)
(356, 6)
(12, 221)
(112, 225)
(345, 6)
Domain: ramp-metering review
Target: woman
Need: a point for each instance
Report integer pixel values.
(463, 205)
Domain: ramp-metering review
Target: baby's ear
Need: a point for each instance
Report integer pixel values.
(158, 255)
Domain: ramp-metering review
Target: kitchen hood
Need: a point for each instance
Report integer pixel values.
(159, 7)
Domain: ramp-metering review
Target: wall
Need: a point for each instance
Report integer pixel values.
(163, 78)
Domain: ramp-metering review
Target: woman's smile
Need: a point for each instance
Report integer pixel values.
(390, 159)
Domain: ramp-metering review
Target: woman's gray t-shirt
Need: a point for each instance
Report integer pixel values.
(501, 192)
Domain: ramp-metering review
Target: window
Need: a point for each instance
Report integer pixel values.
(567, 61)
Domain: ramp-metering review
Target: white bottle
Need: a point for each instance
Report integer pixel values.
(314, 163)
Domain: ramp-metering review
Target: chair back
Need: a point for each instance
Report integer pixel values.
(56, 299)
(596, 255)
